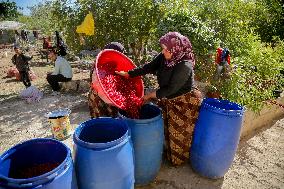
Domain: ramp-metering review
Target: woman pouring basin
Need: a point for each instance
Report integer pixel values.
(177, 96)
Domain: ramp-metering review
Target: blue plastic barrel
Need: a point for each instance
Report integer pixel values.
(103, 155)
(147, 134)
(216, 137)
(38, 163)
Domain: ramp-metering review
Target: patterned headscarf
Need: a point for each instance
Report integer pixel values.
(179, 46)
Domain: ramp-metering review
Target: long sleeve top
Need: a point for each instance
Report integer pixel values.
(21, 61)
(173, 81)
(63, 67)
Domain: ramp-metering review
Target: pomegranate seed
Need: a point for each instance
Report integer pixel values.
(123, 91)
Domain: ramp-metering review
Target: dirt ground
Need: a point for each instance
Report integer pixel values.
(19, 120)
(259, 162)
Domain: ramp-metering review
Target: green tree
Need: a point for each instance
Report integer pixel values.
(130, 22)
(256, 72)
(200, 34)
(268, 19)
(68, 17)
(8, 10)
(256, 65)
(139, 24)
(41, 18)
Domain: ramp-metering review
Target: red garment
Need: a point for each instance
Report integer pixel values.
(46, 44)
(228, 59)
(218, 57)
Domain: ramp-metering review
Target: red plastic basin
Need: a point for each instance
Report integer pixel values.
(108, 61)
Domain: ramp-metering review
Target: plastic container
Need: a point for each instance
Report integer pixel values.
(59, 123)
(103, 155)
(216, 137)
(121, 63)
(147, 134)
(37, 163)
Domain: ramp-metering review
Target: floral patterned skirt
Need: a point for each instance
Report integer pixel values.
(180, 115)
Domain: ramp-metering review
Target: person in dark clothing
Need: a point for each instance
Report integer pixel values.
(173, 81)
(97, 107)
(23, 35)
(16, 37)
(60, 45)
(177, 96)
(17, 33)
(22, 64)
(35, 33)
(26, 35)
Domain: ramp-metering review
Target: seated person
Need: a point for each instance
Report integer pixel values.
(62, 71)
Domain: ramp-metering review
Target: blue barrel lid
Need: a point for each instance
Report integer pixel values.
(224, 107)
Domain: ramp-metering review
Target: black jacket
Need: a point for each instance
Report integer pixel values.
(21, 62)
(173, 81)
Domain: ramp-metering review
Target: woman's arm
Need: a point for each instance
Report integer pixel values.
(147, 68)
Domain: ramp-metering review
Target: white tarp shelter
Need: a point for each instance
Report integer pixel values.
(10, 25)
(7, 31)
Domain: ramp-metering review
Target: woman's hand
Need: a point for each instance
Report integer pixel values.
(146, 98)
(122, 73)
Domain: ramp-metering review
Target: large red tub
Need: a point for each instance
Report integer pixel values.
(112, 88)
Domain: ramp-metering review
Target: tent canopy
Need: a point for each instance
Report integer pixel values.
(10, 25)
